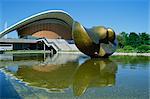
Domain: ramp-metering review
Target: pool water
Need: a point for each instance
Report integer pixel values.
(70, 76)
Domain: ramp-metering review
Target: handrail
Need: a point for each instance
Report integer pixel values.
(49, 43)
(55, 43)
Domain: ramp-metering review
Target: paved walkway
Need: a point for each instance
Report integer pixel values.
(132, 54)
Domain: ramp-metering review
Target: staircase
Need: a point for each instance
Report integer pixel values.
(58, 44)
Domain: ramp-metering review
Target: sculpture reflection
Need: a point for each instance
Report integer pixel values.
(94, 73)
(58, 77)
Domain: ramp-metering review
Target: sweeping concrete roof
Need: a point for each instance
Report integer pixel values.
(54, 14)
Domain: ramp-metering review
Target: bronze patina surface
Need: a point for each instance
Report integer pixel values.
(95, 42)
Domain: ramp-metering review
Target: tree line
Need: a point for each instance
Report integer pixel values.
(133, 42)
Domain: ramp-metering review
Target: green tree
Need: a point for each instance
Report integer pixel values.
(145, 38)
(122, 39)
(134, 40)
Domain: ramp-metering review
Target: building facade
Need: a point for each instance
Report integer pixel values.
(38, 32)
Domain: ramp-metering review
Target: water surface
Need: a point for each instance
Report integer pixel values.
(69, 76)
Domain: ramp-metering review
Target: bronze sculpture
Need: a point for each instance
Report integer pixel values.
(94, 42)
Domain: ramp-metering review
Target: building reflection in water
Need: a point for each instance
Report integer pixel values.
(59, 73)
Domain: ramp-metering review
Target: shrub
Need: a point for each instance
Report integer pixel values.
(128, 48)
(143, 49)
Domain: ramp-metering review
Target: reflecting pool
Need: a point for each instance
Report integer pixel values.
(70, 76)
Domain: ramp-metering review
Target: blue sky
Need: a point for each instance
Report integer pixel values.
(121, 15)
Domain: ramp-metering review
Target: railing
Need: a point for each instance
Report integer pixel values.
(50, 44)
(57, 44)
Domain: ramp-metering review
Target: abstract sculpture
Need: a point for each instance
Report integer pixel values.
(94, 42)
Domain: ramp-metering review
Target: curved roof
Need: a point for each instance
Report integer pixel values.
(58, 14)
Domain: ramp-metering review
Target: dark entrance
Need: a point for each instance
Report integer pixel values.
(52, 50)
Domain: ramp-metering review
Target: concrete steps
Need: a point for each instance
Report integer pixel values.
(59, 44)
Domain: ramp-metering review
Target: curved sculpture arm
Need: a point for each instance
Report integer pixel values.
(97, 41)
